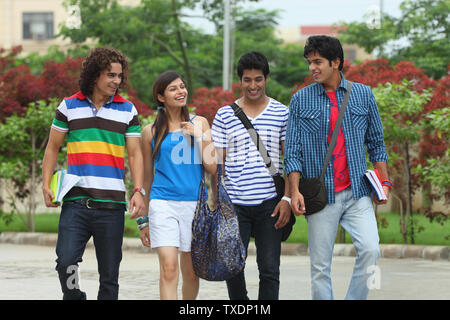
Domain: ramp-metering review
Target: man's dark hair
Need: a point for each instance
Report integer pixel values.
(100, 59)
(253, 60)
(328, 47)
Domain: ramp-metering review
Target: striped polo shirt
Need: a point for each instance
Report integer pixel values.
(96, 145)
(247, 180)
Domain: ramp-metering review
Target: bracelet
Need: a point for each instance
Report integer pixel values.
(142, 226)
(142, 220)
(387, 183)
(287, 199)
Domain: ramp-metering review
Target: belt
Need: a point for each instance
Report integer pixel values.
(91, 204)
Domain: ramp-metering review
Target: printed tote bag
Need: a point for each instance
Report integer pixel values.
(217, 250)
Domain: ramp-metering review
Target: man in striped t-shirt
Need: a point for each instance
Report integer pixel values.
(247, 180)
(99, 125)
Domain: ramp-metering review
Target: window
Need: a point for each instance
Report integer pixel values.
(37, 25)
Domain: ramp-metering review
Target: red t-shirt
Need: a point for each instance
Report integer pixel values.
(339, 157)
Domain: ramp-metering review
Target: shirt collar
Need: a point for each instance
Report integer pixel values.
(116, 98)
(342, 84)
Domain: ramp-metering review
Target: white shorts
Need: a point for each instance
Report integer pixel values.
(170, 223)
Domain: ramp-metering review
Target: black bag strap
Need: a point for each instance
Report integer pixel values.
(336, 130)
(255, 138)
(262, 149)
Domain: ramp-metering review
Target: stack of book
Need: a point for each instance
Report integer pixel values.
(375, 182)
(61, 183)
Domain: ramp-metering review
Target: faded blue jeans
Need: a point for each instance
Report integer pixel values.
(357, 217)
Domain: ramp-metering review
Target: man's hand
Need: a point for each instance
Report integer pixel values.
(285, 214)
(297, 203)
(48, 197)
(137, 206)
(386, 191)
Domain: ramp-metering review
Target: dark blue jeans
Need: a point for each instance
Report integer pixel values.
(257, 220)
(76, 226)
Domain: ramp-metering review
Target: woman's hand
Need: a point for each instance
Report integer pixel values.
(192, 128)
(145, 236)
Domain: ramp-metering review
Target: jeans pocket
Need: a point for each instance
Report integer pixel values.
(67, 214)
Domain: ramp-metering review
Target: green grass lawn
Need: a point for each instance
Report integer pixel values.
(426, 232)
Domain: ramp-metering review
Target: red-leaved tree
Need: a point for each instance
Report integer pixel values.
(19, 87)
(376, 72)
(207, 101)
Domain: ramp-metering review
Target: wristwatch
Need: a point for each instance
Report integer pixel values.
(140, 190)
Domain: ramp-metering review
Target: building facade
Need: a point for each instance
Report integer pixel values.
(299, 35)
(33, 24)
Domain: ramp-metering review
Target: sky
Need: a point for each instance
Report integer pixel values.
(315, 12)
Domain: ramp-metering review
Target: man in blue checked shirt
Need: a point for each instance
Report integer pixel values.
(312, 117)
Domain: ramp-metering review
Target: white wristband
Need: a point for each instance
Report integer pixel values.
(287, 199)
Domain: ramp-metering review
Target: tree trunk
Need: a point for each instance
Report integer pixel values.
(33, 186)
(186, 65)
(403, 219)
(409, 193)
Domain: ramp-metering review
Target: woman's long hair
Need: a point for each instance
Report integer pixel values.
(160, 128)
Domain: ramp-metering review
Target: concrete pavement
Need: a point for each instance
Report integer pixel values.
(27, 273)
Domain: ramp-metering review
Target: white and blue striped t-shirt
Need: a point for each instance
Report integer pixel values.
(247, 180)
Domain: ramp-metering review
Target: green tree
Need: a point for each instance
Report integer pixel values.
(22, 146)
(423, 26)
(156, 39)
(151, 34)
(398, 104)
(436, 171)
(148, 30)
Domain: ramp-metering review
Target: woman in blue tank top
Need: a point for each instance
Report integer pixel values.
(175, 148)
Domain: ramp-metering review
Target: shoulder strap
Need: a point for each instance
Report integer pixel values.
(337, 127)
(255, 138)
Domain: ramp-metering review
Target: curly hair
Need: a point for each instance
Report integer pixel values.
(100, 59)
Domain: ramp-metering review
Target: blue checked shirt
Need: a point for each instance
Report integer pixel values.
(307, 135)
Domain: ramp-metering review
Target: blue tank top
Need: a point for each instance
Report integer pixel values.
(177, 169)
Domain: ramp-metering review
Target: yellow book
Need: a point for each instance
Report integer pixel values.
(56, 184)
(61, 183)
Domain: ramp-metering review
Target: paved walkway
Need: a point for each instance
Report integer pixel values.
(27, 273)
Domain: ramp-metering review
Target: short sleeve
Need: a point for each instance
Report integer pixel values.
(219, 132)
(134, 128)
(60, 122)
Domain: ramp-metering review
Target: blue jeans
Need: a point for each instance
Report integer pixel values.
(357, 217)
(256, 220)
(76, 225)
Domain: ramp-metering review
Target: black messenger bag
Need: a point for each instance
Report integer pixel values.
(313, 189)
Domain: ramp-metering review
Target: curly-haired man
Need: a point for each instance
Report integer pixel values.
(99, 124)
